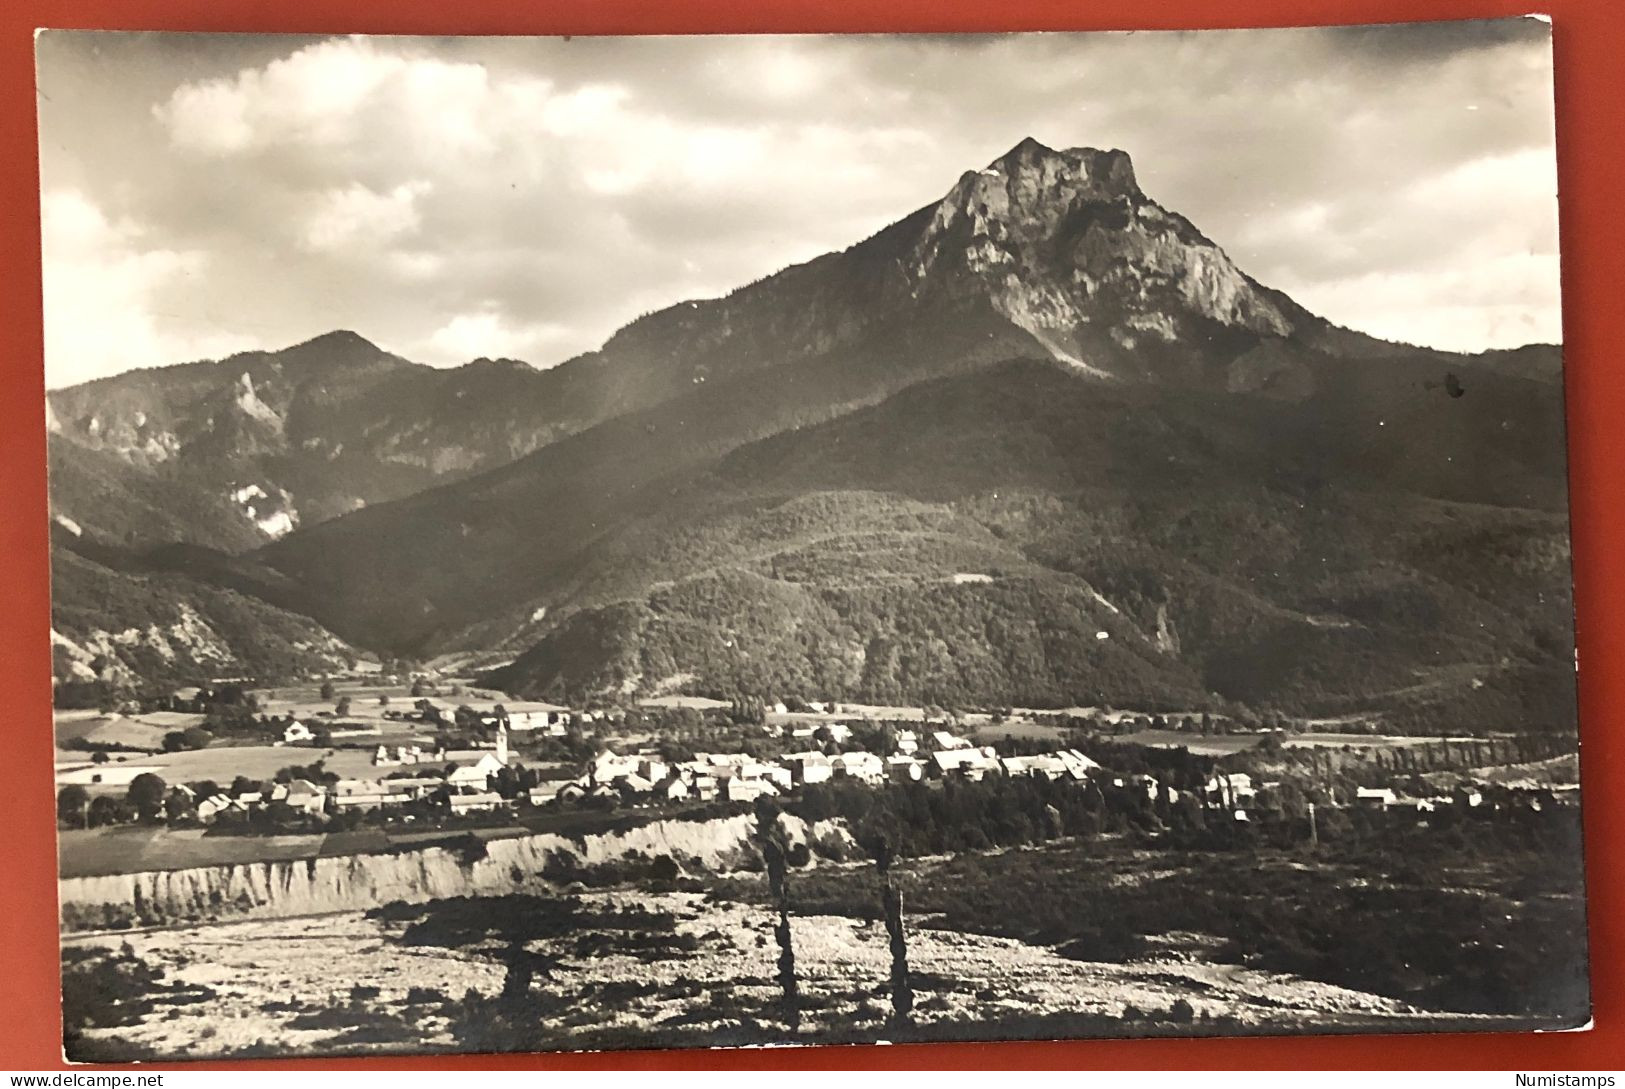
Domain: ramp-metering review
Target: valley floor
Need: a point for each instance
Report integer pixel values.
(347, 983)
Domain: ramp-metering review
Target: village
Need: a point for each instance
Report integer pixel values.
(337, 761)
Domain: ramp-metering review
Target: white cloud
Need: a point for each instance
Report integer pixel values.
(339, 94)
(356, 216)
(1500, 301)
(457, 197)
(488, 333)
(99, 285)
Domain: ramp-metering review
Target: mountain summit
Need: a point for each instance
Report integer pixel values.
(1070, 249)
(1039, 442)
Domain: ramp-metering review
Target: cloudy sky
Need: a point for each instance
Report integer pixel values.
(524, 197)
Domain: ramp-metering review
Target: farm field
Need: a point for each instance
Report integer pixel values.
(1225, 744)
(134, 732)
(140, 848)
(223, 763)
(136, 848)
(989, 732)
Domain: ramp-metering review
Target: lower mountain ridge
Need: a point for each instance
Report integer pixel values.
(1018, 537)
(114, 628)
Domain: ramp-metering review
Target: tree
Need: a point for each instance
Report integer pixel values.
(146, 793)
(342, 708)
(104, 810)
(193, 737)
(774, 843)
(72, 805)
(327, 690)
(383, 701)
(881, 845)
(177, 806)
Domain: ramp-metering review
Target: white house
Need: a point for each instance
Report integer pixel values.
(724, 759)
(1375, 797)
(478, 801)
(609, 766)
(478, 774)
(363, 794)
(413, 788)
(972, 764)
(1078, 766)
(296, 732)
(548, 722)
(634, 784)
(1050, 767)
(809, 767)
(781, 777)
(746, 790)
(864, 766)
(671, 789)
(305, 796)
(213, 806)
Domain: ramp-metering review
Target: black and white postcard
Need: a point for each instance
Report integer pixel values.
(583, 543)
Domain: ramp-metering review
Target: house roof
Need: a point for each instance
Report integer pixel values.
(482, 797)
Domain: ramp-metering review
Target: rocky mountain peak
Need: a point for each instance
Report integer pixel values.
(1026, 194)
(1067, 245)
(1033, 167)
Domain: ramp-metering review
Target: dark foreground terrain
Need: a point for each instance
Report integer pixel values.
(1471, 927)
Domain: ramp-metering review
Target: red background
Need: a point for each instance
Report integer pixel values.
(1590, 53)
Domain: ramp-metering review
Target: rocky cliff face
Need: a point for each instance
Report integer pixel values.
(1064, 239)
(356, 882)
